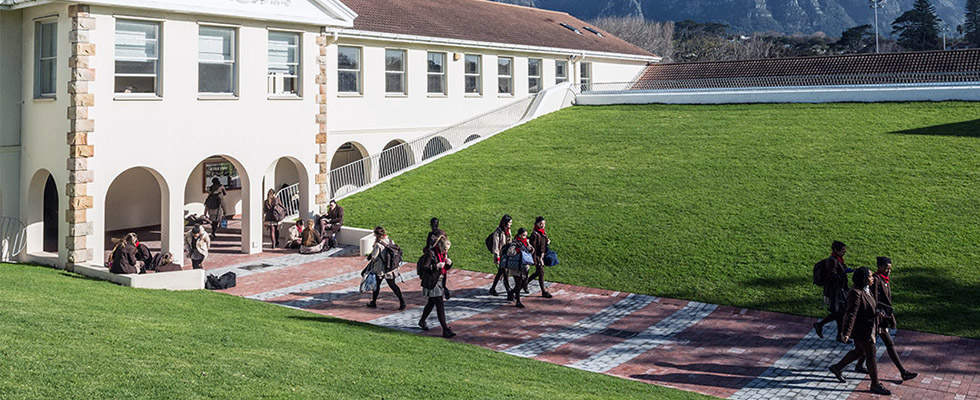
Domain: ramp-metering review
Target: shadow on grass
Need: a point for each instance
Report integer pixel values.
(79, 276)
(345, 322)
(965, 128)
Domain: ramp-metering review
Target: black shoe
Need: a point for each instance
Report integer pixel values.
(372, 305)
(446, 294)
(878, 389)
(907, 376)
(519, 305)
(423, 325)
(448, 333)
(546, 295)
(510, 297)
(819, 328)
(837, 374)
(493, 292)
(860, 369)
(401, 306)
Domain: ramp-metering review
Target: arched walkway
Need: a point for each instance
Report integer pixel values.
(471, 138)
(139, 200)
(345, 173)
(395, 157)
(436, 146)
(230, 173)
(289, 178)
(43, 211)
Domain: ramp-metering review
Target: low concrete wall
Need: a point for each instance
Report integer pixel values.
(177, 280)
(830, 94)
(364, 238)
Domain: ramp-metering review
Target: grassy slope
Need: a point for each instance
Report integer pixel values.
(63, 336)
(727, 204)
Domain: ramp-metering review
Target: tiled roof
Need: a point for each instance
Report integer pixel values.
(856, 64)
(484, 21)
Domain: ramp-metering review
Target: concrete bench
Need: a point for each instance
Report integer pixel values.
(177, 280)
(363, 238)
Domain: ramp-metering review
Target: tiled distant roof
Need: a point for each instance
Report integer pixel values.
(484, 21)
(846, 69)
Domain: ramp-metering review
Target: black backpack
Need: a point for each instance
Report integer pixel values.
(394, 256)
(228, 280)
(820, 273)
(213, 202)
(490, 241)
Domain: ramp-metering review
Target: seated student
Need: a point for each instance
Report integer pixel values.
(311, 241)
(124, 257)
(331, 223)
(163, 262)
(142, 251)
(294, 236)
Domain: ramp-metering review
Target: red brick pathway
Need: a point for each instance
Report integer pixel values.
(719, 351)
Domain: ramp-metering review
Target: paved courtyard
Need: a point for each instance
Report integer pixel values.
(715, 350)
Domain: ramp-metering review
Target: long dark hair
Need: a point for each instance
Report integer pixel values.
(434, 223)
(504, 221)
(860, 277)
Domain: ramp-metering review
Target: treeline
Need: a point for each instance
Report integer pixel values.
(918, 29)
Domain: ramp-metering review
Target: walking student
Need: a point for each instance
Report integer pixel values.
(197, 242)
(882, 292)
(539, 242)
(432, 266)
(518, 268)
(861, 323)
(498, 239)
(430, 240)
(214, 205)
(274, 214)
(834, 272)
(378, 266)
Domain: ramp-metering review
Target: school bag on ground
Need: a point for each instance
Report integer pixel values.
(228, 280)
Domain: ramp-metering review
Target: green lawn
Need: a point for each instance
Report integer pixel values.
(728, 204)
(64, 336)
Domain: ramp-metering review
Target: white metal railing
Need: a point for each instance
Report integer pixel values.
(349, 178)
(782, 81)
(13, 238)
(289, 198)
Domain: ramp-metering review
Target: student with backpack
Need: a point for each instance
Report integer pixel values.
(499, 238)
(433, 265)
(381, 263)
(434, 234)
(882, 293)
(214, 205)
(517, 256)
(860, 321)
(831, 273)
(539, 242)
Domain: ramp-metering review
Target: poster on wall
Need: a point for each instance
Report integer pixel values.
(224, 171)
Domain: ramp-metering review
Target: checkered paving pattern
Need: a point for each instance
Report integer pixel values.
(715, 350)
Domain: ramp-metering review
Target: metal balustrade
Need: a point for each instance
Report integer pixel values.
(782, 81)
(375, 168)
(289, 198)
(13, 238)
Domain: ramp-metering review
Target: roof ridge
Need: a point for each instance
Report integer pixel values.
(825, 56)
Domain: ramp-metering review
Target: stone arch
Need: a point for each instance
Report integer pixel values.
(395, 157)
(139, 198)
(237, 201)
(436, 146)
(291, 181)
(346, 174)
(43, 211)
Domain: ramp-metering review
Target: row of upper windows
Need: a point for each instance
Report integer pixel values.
(349, 72)
(137, 59)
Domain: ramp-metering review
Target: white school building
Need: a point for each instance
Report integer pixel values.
(114, 114)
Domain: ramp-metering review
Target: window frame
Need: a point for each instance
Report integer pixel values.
(403, 72)
(442, 75)
(539, 77)
(234, 62)
(509, 77)
(585, 74)
(158, 60)
(359, 72)
(478, 75)
(272, 79)
(39, 60)
(559, 79)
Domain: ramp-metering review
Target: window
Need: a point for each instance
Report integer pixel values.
(472, 71)
(216, 60)
(395, 72)
(45, 59)
(505, 75)
(348, 69)
(137, 57)
(533, 75)
(561, 71)
(586, 76)
(437, 73)
(283, 63)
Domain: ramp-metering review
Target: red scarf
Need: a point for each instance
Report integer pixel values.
(541, 231)
(440, 257)
(523, 241)
(507, 232)
(884, 278)
(839, 259)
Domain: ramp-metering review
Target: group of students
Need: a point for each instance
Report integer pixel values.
(306, 235)
(129, 256)
(863, 313)
(512, 255)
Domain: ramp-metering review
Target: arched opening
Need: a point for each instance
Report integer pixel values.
(347, 171)
(290, 180)
(50, 215)
(43, 222)
(395, 157)
(138, 199)
(230, 174)
(435, 146)
(471, 138)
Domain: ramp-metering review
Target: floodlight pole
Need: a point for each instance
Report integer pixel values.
(944, 28)
(875, 5)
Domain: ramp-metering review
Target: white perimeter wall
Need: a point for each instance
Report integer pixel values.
(870, 94)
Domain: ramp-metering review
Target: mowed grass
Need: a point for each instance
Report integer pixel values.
(728, 204)
(63, 336)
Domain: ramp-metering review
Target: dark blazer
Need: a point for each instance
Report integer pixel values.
(836, 279)
(143, 253)
(428, 273)
(335, 218)
(311, 237)
(539, 243)
(883, 295)
(860, 317)
(124, 260)
(274, 211)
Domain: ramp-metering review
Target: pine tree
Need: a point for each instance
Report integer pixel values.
(859, 39)
(918, 28)
(971, 27)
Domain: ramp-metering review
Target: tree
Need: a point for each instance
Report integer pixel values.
(655, 37)
(859, 39)
(918, 28)
(971, 27)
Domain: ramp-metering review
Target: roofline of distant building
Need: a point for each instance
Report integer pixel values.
(372, 35)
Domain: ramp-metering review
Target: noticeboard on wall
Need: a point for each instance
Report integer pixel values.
(225, 172)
